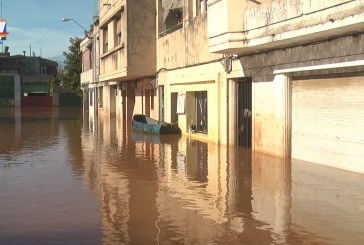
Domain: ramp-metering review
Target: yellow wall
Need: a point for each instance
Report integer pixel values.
(208, 78)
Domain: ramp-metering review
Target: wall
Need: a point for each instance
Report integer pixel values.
(271, 93)
(87, 77)
(280, 23)
(141, 41)
(186, 65)
(199, 78)
(10, 89)
(185, 47)
(7, 91)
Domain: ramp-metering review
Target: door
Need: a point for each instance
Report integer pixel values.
(174, 115)
(161, 103)
(244, 112)
(327, 121)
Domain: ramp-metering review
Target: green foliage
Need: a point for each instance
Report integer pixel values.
(52, 82)
(7, 103)
(71, 81)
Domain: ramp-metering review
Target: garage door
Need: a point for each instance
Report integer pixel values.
(328, 122)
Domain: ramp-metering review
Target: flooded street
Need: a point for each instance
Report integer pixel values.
(65, 180)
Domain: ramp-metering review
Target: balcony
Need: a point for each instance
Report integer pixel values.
(242, 27)
(87, 77)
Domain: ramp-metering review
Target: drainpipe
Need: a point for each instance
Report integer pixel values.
(227, 113)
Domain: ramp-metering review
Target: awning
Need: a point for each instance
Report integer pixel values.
(169, 5)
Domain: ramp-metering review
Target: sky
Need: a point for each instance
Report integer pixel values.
(37, 26)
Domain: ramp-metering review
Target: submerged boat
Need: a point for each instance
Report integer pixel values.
(145, 124)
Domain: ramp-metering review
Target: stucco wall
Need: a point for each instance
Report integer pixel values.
(187, 46)
(210, 78)
(280, 23)
(141, 41)
(271, 92)
(136, 56)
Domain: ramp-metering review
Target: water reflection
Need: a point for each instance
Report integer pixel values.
(43, 198)
(71, 181)
(172, 190)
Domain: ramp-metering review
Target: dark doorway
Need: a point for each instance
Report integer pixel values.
(174, 115)
(244, 112)
(161, 103)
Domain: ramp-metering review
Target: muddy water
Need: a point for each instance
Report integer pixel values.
(64, 180)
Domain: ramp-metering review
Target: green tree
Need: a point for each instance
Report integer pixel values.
(70, 76)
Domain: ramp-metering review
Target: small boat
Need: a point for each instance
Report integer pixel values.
(145, 124)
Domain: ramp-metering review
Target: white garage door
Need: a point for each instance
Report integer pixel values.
(328, 122)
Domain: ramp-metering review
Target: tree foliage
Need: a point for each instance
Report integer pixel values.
(71, 81)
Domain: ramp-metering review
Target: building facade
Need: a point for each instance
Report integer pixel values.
(26, 81)
(120, 81)
(283, 77)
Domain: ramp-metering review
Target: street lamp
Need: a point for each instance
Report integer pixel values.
(70, 19)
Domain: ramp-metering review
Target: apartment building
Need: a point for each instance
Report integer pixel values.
(119, 60)
(283, 77)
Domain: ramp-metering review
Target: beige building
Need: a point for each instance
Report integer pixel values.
(119, 60)
(283, 77)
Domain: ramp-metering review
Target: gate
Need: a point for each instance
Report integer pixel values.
(37, 101)
(244, 112)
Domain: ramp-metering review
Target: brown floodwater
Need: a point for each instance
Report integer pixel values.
(65, 180)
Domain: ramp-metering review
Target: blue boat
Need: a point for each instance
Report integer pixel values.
(145, 124)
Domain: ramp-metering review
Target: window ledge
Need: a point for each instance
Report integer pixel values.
(113, 50)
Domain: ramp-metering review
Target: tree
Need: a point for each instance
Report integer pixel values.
(71, 81)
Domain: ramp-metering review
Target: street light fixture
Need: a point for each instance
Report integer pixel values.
(86, 32)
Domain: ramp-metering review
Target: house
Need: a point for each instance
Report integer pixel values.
(282, 77)
(123, 40)
(10, 83)
(25, 81)
(304, 60)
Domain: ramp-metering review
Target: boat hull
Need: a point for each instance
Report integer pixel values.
(142, 123)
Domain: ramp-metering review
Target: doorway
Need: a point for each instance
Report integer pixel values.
(174, 115)
(161, 103)
(244, 112)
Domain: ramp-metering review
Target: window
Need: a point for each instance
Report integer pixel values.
(203, 6)
(43, 70)
(201, 111)
(200, 7)
(172, 19)
(118, 37)
(86, 60)
(105, 39)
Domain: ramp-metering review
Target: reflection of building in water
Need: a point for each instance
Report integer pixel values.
(177, 190)
(330, 205)
(112, 187)
(211, 187)
(126, 204)
(271, 194)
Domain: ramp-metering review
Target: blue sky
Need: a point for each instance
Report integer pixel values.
(37, 23)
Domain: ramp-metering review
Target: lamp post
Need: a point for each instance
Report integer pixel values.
(70, 19)
(95, 67)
